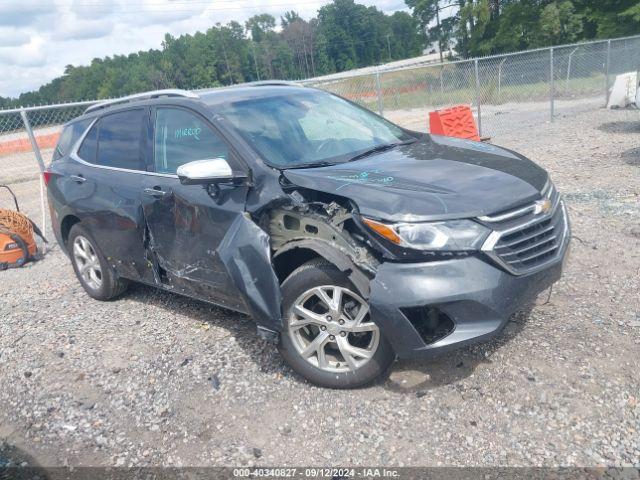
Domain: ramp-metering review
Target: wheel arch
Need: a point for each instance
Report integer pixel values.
(297, 252)
(65, 227)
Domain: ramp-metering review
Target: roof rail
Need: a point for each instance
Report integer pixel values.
(273, 83)
(172, 92)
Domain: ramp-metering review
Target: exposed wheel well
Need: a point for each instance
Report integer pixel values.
(65, 227)
(285, 263)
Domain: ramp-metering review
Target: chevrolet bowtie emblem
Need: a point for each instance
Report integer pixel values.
(542, 206)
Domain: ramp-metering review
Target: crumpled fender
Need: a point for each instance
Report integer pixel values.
(246, 255)
(335, 256)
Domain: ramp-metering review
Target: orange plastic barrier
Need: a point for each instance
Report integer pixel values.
(23, 145)
(456, 121)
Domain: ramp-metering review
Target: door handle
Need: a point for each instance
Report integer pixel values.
(156, 192)
(78, 178)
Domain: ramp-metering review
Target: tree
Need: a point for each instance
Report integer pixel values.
(344, 35)
(288, 18)
(259, 25)
(425, 12)
(406, 37)
(559, 24)
(607, 19)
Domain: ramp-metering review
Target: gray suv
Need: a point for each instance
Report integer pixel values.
(351, 241)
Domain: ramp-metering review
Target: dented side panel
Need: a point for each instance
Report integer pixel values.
(246, 254)
(184, 229)
(108, 204)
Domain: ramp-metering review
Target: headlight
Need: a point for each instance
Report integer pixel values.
(452, 235)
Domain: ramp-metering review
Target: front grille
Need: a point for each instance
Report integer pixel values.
(526, 240)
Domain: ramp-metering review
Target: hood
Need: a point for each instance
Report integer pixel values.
(435, 178)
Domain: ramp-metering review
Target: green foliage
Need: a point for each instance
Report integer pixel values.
(259, 25)
(344, 35)
(482, 27)
(559, 24)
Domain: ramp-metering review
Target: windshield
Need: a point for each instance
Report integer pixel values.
(309, 128)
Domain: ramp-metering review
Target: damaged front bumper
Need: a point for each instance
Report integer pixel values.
(475, 297)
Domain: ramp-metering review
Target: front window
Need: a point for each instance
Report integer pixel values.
(182, 137)
(309, 128)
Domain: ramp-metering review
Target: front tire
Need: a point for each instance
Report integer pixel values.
(328, 336)
(91, 267)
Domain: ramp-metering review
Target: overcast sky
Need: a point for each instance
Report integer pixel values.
(39, 37)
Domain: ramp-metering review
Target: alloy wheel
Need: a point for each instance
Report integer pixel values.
(87, 262)
(331, 328)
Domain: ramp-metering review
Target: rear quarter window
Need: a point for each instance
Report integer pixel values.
(68, 138)
(115, 140)
(89, 148)
(119, 140)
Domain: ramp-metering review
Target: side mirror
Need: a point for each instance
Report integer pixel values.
(202, 172)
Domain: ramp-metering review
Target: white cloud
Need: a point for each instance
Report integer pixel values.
(24, 12)
(10, 37)
(41, 37)
(91, 10)
(75, 29)
(28, 55)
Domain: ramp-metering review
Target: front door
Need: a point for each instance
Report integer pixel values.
(186, 223)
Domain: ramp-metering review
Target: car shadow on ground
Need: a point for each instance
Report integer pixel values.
(16, 464)
(631, 157)
(238, 325)
(621, 126)
(405, 376)
(195, 309)
(419, 376)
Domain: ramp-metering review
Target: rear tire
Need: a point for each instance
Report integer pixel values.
(328, 336)
(91, 267)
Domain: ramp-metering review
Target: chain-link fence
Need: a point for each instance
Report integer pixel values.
(506, 92)
(27, 139)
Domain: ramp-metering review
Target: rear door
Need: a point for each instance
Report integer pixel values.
(105, 183)
(188, 222)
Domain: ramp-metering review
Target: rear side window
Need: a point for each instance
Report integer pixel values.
(119, 140)
(89, 148)
(69, 137)
(182, 137)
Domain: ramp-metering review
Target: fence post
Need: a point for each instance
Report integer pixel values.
(551, 84)
(500, 77)
(606, 73)
(566, 87)
(475, 62)
(38, 154)
(379, 93)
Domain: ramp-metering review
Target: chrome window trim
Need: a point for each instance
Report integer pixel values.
(489, 245)
(546, 192)
(75, 157)
(170, 92)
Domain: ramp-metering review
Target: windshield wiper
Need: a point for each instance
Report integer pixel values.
(380, 148)
(321, 163)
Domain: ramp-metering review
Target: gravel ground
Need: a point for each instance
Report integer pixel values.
(156, 379)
